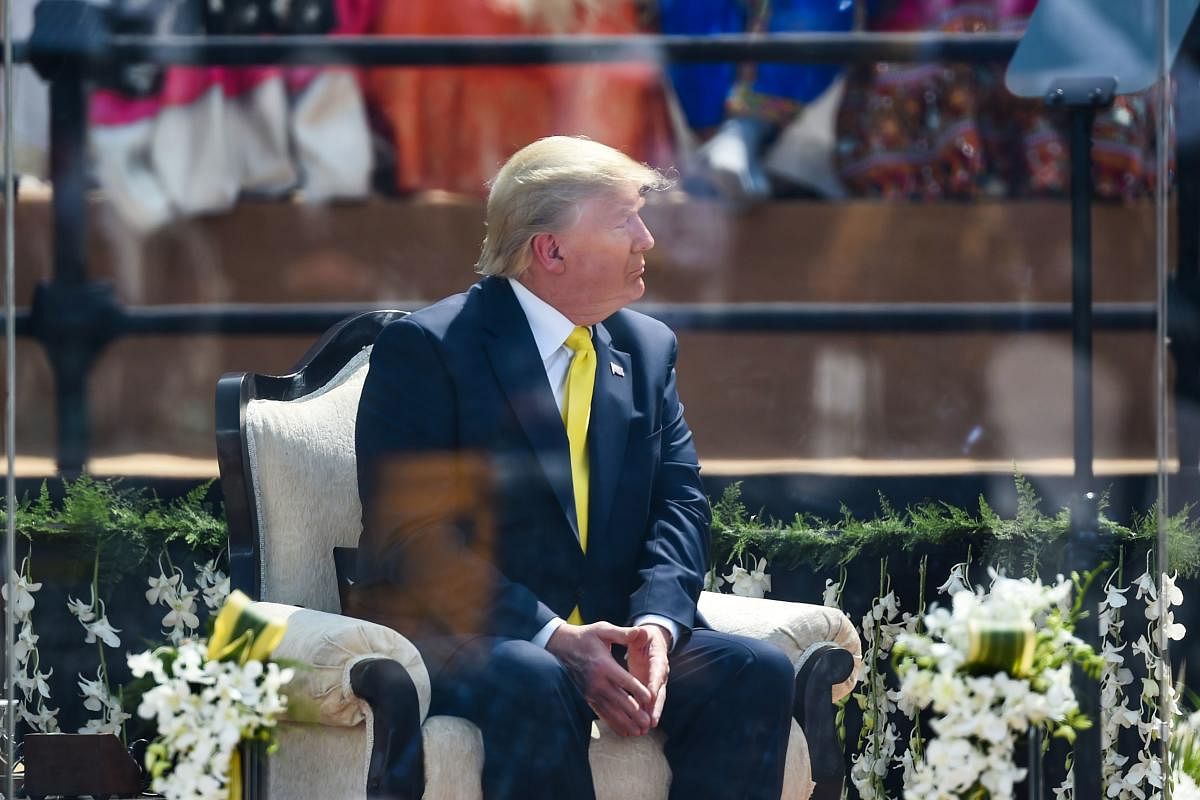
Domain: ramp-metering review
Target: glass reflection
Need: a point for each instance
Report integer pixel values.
(867, 262)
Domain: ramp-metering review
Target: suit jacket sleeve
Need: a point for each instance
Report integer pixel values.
(421, 554)
(675, 554)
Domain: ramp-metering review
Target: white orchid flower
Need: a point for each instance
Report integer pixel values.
(206, 573)
(1145, 587)
(750, 583)
(216, 594)
(44, 720)
(101, 629)
(831, 594)
(34, 683)
(25, 645)
(95, 694)
(24, 590)
(1171, 593)
(146, 663)
(110, 722)
(957, 582)
(82, 611)
(183, 612)
(886, 607)
(161, 588)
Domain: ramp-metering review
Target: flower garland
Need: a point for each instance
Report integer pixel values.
(882, 625)
(29, 677)
(1115, 713)
(97, 694)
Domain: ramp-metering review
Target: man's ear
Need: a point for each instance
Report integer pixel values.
(546, 253)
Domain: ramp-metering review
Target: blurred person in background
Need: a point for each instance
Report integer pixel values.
(452, 127)
(738, 111)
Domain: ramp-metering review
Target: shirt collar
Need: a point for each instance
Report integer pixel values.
(550, 328)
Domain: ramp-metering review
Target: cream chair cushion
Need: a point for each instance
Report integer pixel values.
(306, 487)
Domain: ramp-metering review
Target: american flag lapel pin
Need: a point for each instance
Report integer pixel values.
(617, 369)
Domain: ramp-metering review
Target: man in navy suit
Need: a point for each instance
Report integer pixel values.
(531, 623)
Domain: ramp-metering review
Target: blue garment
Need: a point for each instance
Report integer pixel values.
(703, 88)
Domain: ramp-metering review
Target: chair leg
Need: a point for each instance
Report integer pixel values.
(814, 712)
(397, 769)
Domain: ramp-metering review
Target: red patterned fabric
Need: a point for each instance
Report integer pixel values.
(953, 130)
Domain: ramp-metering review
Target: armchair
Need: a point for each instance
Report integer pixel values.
(285, 447)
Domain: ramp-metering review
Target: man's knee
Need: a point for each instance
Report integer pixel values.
(524, 672)
(771, 671)
(771, 664)
(765, 677)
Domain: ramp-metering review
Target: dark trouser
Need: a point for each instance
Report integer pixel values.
(727, 718)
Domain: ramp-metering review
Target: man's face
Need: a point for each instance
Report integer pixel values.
(603, 254)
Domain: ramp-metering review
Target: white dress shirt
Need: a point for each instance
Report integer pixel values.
(550, 331)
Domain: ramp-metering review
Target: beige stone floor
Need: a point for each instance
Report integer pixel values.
(171, 466)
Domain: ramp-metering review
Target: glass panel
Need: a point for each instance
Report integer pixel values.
(1178, 463)
(868, 260)
(12, 97)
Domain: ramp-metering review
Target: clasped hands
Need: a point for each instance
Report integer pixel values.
(629, 698)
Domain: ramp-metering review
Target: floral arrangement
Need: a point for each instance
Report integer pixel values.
(993, 666)
(1136, 689)
(205, 699)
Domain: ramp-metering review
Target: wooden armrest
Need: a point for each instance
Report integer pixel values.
(397, 768)
(825, 667)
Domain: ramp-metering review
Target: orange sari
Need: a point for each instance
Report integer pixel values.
(454, 126)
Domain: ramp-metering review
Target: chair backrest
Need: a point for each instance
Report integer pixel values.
(285, 447)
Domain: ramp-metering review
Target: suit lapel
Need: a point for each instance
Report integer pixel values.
(514, 357)
(608, 429)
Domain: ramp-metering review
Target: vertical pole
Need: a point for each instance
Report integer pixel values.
(1161, 198)
(1085, 541)
(68, 174)
(10, 410)
(1081, 298)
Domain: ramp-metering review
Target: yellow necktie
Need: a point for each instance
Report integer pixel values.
(577, 410)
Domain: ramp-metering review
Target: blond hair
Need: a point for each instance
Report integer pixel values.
(539, 190)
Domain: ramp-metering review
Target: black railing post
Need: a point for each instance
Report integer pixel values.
(73, 317)
(67, 354)
(1081, 98)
